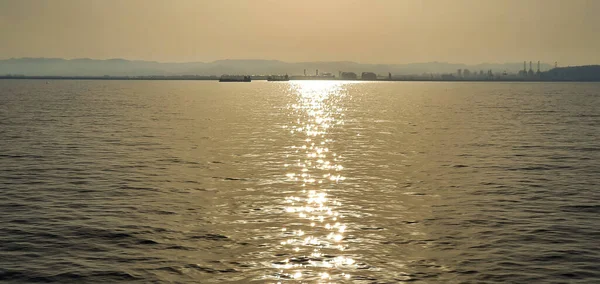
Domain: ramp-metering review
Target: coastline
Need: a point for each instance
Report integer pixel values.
(264, 78)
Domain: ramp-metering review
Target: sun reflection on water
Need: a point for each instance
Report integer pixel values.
(314, 238)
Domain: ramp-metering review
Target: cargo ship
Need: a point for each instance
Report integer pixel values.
(226, 78)
(278, 78)
(319, 77)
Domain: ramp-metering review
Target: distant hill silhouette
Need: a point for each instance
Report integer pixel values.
(576, 73)
(122, 67)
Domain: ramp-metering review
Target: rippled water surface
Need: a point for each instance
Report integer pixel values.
(312, 182)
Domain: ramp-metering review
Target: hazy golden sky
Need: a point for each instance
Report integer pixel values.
(393, 31)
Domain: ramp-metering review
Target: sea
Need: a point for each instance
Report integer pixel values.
(299, 182)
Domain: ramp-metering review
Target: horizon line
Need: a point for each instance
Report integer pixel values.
(290, 62)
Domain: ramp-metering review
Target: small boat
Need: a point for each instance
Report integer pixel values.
(278, 78)
(226, 78)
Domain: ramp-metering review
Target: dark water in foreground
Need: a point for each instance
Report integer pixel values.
(320, 182)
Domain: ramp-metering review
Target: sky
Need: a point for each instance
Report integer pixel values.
(369, 31)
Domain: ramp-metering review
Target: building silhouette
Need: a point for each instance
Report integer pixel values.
(523, 73)
(368, 76)
(530, 73)
(349, 75)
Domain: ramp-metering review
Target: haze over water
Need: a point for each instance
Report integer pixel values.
(299, 182)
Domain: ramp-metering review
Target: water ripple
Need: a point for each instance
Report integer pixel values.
(299, 182)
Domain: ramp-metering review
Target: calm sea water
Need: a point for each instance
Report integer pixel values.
(313, 182)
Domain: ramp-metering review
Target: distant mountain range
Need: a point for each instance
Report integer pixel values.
(122, 67)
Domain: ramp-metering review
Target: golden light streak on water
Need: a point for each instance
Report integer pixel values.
(316, 246)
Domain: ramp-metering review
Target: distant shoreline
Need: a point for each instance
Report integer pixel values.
(120, 78)
(264, 78)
